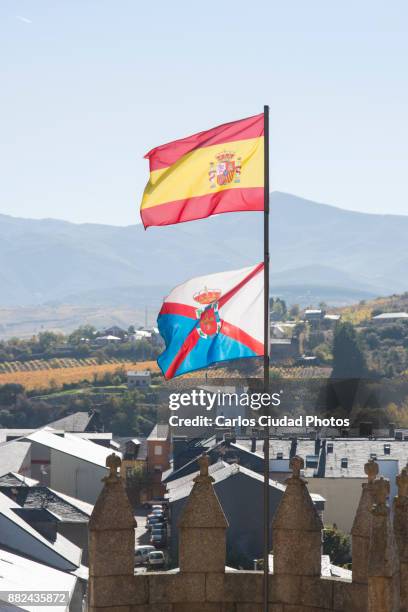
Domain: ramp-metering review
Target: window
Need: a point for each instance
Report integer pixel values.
(344, 462)
(279, 455)
(158, 450)
(387, 449)
(330, 447)
(312, 461)
(373, 456)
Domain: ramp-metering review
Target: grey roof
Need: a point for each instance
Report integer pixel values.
(358, 451)
(221, 471)
(61, 553)
(140, 445)
(72, 445)
(161, 431)
(138, 373)
(18, 573)
(13, 456)
(76, 422)
(391, 315)
(66, 509)
(12, 479)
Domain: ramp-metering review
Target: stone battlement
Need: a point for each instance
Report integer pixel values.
(203, 584)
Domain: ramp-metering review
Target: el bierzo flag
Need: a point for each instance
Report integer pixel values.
(212, 318)
(216, 171)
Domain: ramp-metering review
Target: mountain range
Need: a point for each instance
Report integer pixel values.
(318, 252)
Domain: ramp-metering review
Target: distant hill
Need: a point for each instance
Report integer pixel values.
(318, 252)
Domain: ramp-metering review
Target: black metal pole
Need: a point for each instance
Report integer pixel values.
(266, 357)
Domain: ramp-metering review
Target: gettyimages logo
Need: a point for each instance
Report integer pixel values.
(208, 400)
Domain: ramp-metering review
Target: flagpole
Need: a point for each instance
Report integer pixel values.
(266, 357)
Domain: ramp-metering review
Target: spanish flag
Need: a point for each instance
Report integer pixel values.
(216, 171)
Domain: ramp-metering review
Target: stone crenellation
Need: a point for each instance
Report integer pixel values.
(203, 584)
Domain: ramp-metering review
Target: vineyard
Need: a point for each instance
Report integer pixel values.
(42, 374)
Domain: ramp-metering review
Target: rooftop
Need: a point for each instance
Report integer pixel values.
(76, 422)
(391, 315)
(159, 432)
(220, 471)
(138, 373)
(17, 535)
(12, 479)
(65, 508)
(72, 445)
(18, 573)
(13, 456)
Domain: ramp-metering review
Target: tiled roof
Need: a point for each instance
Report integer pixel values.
(12, 479)
(65, 508)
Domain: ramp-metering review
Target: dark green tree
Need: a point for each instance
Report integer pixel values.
(337, 545)
(348, 357)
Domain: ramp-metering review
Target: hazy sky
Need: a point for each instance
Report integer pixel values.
(88, 86)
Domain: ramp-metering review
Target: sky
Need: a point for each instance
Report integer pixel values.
(89, 86)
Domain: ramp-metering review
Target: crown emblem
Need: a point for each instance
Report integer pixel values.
(207, 296)
(225, 156)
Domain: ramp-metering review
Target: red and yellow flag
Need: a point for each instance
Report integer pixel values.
(216, 171)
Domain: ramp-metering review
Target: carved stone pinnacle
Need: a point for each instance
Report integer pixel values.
(381, 492)
(113, 462)
(296, 464)
(204, 476)
(371, 469)
(402, 483)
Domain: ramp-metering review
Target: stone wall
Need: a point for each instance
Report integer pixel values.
(203, 584)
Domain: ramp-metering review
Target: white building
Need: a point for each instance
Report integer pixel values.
(68, 464)
(138, 379)
(390, 317)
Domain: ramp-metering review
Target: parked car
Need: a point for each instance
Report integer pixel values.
(142, 554)
(156, 559)
(158, 540)
(159, 528)
(154, 520)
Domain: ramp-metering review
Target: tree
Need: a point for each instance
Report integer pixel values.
(294, 311)
(86, 332)
(9, 393)
(337, 545)
(47, 340)
(348, 357)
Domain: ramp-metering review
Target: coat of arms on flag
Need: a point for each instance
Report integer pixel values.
(226, 170)
(212, 318)
(210, 322)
